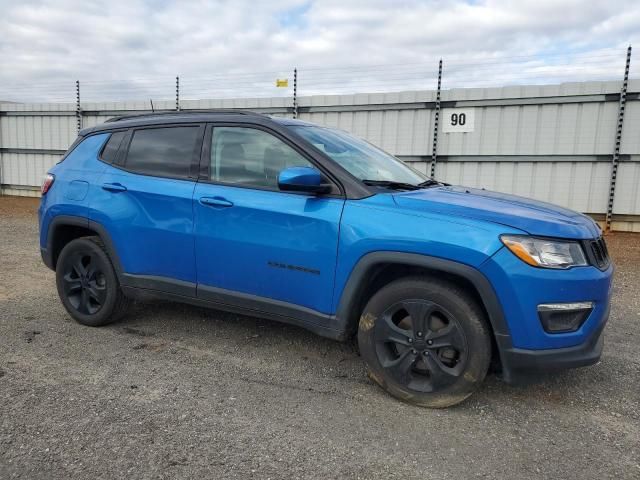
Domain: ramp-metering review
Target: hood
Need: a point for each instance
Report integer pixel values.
(531, 216)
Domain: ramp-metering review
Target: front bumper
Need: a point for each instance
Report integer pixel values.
(521, 288)
(520, 363)
(524, 344)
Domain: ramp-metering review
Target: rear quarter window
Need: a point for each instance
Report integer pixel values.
(110, 150)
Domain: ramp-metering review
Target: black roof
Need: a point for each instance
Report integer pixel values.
(199, 116)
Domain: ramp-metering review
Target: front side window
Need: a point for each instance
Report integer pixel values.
(164, 152)
(248, 156)
(360, 158)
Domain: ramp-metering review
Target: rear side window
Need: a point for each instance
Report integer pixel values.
(164, 152)
(110, 150)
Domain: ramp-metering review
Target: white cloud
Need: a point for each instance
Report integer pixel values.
(135, 48)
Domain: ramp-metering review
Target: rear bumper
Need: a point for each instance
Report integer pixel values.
(519, 363)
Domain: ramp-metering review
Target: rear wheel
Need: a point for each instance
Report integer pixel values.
(425, 341)
(87, 283)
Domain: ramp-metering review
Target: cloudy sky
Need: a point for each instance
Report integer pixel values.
(123, 49)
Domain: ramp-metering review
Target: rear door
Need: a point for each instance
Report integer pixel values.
(251, 238)
(145, 202)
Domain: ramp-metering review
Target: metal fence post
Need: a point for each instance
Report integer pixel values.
(78, 110)
(295, 93)
(177, 94)
(434, 152)
(1, 163)
(615, 160)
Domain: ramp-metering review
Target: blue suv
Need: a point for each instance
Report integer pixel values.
(308, 225)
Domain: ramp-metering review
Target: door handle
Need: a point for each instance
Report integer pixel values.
(114, 187)
(216, 202)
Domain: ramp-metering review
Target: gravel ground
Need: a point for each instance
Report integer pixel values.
(175, 391)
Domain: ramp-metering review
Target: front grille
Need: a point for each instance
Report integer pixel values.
(598, 253)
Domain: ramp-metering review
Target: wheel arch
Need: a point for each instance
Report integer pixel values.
(379, 268)
(65, 228)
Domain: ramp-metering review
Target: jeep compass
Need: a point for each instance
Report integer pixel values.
(308, 225)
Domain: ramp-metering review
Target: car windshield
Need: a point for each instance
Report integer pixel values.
(360, 158)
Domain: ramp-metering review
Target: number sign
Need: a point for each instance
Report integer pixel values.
(456, 120)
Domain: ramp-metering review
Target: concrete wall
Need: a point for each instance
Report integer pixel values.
(551, 142)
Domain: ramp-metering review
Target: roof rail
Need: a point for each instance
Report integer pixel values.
(181, 112)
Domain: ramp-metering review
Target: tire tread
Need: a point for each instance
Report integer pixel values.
(476, 325)
(120, 304)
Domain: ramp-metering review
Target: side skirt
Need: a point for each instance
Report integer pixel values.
(145, 288)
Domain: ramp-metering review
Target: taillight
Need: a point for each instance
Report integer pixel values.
(46, 184)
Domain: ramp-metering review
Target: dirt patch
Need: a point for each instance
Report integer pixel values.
(151, 347)
(31, 335)
(18, 206)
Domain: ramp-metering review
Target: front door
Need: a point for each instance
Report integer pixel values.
(252, 238)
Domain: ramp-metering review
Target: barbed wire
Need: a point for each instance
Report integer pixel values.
(481, 71)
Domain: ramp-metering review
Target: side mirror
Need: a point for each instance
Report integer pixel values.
(302, 179)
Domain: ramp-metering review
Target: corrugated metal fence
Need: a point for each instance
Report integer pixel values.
(551, 142)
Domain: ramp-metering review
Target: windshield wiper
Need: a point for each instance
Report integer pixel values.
(432, 183)
(392, 185)
(403, 186)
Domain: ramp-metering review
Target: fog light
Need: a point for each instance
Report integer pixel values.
(563, 317)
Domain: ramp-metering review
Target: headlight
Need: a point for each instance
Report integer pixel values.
(541, 252)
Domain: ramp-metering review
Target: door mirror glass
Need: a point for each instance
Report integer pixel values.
(302, 179)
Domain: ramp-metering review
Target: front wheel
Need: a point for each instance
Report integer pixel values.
(87, 283)
(425, 341)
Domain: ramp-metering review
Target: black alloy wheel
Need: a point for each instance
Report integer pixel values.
(425, 340)
(87, 283)
(421, 345)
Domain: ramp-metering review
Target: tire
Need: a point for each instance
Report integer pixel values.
(438, 360)
(87, 283)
